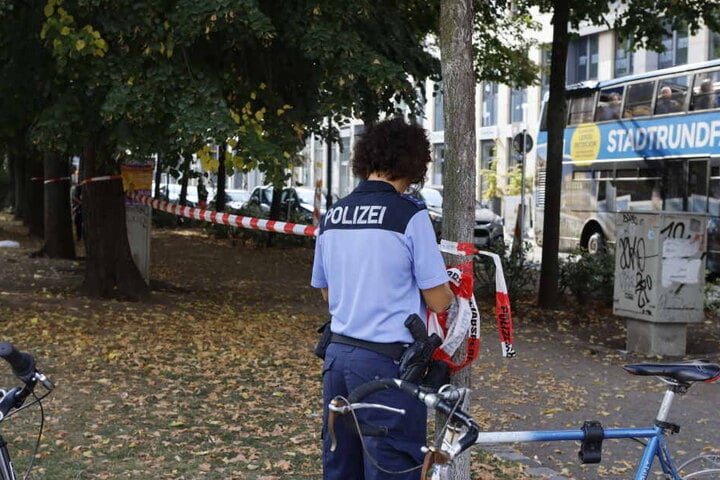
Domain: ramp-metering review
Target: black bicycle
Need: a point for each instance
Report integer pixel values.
(13, 400)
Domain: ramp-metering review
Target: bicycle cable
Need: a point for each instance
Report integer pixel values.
(39, 437)
(372, 459)
(441, 435)
(367, 451)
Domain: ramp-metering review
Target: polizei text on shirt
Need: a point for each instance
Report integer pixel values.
(356, 215)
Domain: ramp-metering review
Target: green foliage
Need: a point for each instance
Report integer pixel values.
(588, 276)
(520, 275)
(502, 43)
(514, 178)
(490, 181)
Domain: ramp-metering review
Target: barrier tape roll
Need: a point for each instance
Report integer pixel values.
(463, 320)
(228, 219)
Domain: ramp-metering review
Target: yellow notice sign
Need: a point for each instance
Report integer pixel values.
(136, 177)
(585, 144)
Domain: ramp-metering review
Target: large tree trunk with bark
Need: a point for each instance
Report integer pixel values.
(110, 271)
(17, 182)
(59, 241)
(548, 293)
(456, 26)
(33, 194)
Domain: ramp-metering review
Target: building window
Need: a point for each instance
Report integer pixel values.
(714, 46)
(518, 102)
(438, 119)
(438, 162)
(676, 49)
(545, 73)
(623, 58)
(489, 104)
(582, 59)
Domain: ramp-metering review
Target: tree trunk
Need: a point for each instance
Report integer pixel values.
(110, 271)
(32, 199)
(158, 176)
(59, 241)
(17, 182)
(184, 180)
(548, 294)
(456, 26)
(221, 175)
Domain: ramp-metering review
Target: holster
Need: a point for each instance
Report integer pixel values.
(324, 340)
(417, 358)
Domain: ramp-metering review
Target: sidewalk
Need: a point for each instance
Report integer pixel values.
(558, 382)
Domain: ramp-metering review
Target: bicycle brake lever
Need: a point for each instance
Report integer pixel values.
(335, 405)
(40, 377)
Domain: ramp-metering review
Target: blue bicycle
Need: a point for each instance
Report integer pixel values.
(462, 432)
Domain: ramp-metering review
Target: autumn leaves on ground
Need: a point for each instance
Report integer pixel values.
(213, 378)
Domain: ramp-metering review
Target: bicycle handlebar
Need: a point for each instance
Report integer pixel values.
(23, 364)
(436, 401)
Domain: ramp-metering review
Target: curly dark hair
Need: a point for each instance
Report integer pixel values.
(394, 149)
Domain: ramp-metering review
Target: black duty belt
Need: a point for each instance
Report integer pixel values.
(392, 350)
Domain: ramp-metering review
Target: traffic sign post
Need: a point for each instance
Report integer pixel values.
(522, 144)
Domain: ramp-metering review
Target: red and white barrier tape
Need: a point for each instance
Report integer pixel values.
(226, 218)
(55, 180)
(464, 320)
(104, 178)
(49, 180)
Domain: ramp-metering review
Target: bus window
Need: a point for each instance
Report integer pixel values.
(609, 103)
(706, 90)
(697, 186)
(673, 191)
(672, 95)
(581, 109)
(638, 99)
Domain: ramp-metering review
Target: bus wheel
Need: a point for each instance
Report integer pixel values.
(596, 242)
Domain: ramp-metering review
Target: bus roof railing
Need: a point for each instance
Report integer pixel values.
(687, 68)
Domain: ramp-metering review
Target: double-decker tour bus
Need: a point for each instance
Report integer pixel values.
(645, 142)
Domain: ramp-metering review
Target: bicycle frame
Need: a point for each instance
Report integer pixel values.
(656, 446)
(6, 468)
(462, 432)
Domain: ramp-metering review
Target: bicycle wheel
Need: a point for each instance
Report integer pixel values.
(703, 467)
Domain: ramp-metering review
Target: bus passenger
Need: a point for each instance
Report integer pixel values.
(705, 99)
(612, 109)
(665, 103)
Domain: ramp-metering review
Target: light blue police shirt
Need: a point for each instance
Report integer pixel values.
(375, 252)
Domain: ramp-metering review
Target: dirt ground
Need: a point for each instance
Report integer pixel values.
(190, 261)
(569, 359)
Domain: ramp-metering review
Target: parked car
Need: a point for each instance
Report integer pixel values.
(171, 193)
(488, 229)
(296, 203)
(234, 199)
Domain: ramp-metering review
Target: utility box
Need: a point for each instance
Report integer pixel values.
(137, 177)
(659, 278)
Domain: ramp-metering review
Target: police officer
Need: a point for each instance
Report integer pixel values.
(377, 262)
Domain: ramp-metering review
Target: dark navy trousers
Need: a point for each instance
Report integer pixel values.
(345, 368)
